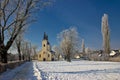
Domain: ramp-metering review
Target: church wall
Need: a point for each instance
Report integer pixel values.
(49, 56)
(44, 55)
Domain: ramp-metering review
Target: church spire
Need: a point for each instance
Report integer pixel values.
(45, 37)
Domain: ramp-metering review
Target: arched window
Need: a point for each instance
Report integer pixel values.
(48, 55)
(44, 45)
(40, 55)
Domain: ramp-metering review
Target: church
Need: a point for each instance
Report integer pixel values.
(46, 54)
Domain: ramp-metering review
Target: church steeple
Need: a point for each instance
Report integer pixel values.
(45, 37)
(46, 54)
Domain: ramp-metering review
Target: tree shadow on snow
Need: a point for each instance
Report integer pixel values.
(116, 70)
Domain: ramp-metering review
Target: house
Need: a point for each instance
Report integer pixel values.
(76, 56)
(114, 53)
(46, 54)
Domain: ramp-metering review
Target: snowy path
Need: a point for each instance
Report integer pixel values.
(27, 71)
(62, 70)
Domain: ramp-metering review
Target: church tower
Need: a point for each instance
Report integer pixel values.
(45, 42)
(46, 54)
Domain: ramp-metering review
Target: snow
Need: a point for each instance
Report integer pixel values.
(27, 71)
(80, 70)
(62, 70)
(37, 72)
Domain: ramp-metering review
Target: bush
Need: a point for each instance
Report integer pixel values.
(115, 59)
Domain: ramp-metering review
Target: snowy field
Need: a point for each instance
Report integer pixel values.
(62, 70)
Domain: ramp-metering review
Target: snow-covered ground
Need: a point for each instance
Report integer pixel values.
(27, 71)
(79, 70)
(62, 70)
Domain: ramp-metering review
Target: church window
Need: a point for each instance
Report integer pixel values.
(48, 55)
(44, 45)
(39, 55)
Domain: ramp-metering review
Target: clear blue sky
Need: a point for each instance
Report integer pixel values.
(84, 14)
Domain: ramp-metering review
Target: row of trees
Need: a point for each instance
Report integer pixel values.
(24, 49)
(15, 15)
(69, 41)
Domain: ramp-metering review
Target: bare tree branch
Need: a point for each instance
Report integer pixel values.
(18, 4)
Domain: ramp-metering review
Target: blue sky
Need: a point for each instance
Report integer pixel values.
(85, 15)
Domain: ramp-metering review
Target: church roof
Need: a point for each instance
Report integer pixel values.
(52, 52)
(45, 37)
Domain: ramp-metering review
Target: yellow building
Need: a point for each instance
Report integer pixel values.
(46, 54)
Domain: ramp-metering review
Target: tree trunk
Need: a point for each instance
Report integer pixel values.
(19, 56)
(4, 56)
(19, 53)
(23, 57)
(29, 58)
(68, 58)
(58, 56)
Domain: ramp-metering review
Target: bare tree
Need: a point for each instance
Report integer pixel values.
(58, 51)
(14, 16)
(23, 50)
(18, 42)
(83, 46)
(34, 52)
(105, 33)
(69, 42)
(27, 50)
